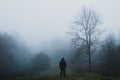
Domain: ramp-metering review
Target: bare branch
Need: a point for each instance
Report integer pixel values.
(84, 30)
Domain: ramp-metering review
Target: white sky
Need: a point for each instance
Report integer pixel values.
(40, 21)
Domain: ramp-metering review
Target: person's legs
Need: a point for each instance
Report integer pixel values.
(60, 72)
(64, 73)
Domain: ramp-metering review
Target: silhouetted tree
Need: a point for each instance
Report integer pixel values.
(84, 32)
(39, 63)
(7, 50)
(108, 50)
(13, 56)
(110, 55)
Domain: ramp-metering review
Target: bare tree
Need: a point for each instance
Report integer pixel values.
(110, 50)
(84, 32)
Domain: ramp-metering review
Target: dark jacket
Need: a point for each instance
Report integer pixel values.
(62, 64)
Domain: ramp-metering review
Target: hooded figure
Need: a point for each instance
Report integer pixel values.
(62, 66)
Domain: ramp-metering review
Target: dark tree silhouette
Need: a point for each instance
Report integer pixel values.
(110, 55)
(39, 63)
(84, 32)
(13, 56)
(7, 50)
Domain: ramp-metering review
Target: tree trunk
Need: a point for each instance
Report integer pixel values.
(90, 59)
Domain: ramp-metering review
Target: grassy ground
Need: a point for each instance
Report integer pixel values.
(53, 74)
(82, 76)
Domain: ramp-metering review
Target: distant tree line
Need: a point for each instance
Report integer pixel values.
(15, 58)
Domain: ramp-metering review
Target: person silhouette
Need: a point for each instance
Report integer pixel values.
(62, 66)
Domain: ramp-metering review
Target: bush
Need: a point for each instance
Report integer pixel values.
(39, 63)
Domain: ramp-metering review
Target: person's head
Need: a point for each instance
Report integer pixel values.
(62, 59)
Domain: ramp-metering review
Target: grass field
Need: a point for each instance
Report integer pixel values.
(82, 76)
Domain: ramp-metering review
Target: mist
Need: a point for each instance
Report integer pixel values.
(35, 35)
(38, 22)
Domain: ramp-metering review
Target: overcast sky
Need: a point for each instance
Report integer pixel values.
(40, 21)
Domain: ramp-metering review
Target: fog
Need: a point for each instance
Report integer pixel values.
(39, 22)
(34, 31)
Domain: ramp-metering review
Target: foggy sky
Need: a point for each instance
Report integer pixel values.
(41, 21)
